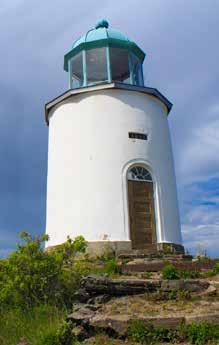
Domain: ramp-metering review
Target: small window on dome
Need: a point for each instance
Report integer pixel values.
(96, 66)
(139, 173)
(77, 71)
(119, 61)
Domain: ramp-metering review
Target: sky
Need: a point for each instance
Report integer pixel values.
(180, 38)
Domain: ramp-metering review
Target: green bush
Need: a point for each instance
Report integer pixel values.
(66, 251)
(201, 333)
(170, 272)
(162, 334)
(193, 274)
(28, 275)
(144, 333)
(31, 276)
(140, 332)
(197, 334)
(79, 244)
(111, 267)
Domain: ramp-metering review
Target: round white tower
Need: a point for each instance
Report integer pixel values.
(110, 167)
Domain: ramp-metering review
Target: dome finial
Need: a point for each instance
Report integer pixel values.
(103, 23)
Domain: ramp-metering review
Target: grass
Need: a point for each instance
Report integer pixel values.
(30, 325)
(197, 334)
(103, 339)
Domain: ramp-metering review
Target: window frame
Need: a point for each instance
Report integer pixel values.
(135, 171)
(109, 78)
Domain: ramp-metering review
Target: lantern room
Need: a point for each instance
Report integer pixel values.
(104, 55)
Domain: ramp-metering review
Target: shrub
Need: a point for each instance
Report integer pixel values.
(140, 332)
(147, 334)
(66, 251)
(30, 275)
(170, 272)
(111, 267)
(79, 244)
(189, 274)
(162, 334)
(197, 334)
(201, 333)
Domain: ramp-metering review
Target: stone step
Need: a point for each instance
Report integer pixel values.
(148, 251)
(139, 265)
(98, 285)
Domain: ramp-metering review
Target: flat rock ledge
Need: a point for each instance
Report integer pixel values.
(156, 264)
(92, 322)
(93, 286)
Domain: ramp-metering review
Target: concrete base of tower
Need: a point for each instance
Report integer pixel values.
(98, 248)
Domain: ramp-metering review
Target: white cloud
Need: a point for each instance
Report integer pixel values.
(205, 236)
(202, 215)
(199, 155)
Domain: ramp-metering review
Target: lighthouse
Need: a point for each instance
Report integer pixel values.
(110, 164)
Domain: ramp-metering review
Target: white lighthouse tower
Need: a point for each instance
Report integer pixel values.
(110, 166)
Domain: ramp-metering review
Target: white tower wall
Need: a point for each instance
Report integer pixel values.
(89, 155)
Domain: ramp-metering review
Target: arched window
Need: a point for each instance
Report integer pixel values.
(139, 173)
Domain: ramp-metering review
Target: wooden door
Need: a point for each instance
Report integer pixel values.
(141, 214)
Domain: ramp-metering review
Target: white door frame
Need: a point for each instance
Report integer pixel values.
(156, 191)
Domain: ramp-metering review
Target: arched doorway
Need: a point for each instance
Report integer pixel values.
(141, 208)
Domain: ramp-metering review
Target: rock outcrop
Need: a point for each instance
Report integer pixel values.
(93, 286)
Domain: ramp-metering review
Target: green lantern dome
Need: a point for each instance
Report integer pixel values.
(102, 36)
(104, 55)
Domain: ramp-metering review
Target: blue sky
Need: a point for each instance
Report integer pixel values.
(181, 42)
